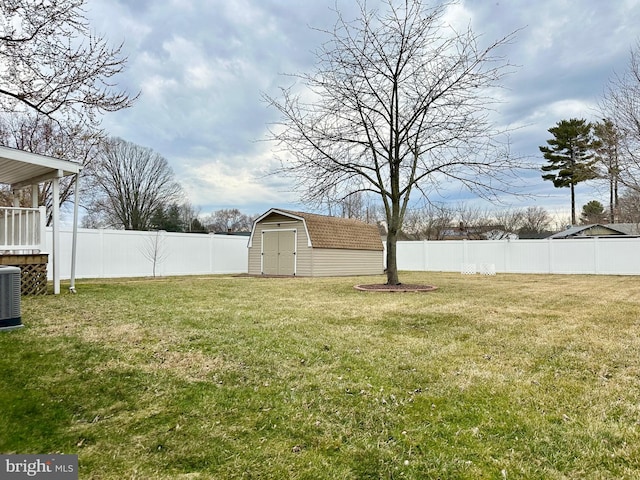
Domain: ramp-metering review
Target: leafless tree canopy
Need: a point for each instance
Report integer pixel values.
(39, 134)
(228, 220)
(398, 104)
(621, 104)
(630, 207)
(464, 221)
(130, 183)
(535, 220)
(51, 62)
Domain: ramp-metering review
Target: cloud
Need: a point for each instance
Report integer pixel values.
(202, 67)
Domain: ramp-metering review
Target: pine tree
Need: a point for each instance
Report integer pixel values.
(570, 154)
(607, 148)
(593, 212)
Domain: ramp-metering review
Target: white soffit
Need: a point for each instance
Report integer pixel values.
(19, 168)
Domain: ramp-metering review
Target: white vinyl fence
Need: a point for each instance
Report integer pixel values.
(119, 253)
(601, 256)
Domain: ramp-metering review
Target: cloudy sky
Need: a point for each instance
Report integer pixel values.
(202, 65)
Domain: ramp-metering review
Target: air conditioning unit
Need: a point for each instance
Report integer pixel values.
(10, 298)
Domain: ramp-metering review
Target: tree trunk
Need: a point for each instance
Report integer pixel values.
(392, 262)
(394, 224)
(611, 202)
(573, 205)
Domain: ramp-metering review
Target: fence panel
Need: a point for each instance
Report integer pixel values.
(611, 256)
(411, 256)
(573, 256)
(119, 253)
(618, 256)
(528, 256)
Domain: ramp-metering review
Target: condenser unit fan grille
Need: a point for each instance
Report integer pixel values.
(10, 297)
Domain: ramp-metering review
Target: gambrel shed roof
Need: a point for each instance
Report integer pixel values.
(334, 232)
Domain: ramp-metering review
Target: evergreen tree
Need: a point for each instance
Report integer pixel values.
(167, 218)
(569, 154)
(593, 212)
(607, 147)
(197, 226)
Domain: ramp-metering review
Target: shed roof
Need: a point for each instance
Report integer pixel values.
(334, 232)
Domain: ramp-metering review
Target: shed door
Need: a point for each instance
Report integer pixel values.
(278, 252)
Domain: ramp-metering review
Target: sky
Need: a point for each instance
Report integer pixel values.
(202, 67)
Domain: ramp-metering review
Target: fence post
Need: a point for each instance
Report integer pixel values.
(507, 254)
(102, 259)
(425, 256)
(211, 252)
(465, 243)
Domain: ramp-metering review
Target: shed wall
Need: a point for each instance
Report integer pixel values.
(329, 262)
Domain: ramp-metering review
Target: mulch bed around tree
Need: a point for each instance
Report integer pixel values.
(403, 287)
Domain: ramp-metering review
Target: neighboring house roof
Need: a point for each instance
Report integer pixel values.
(534, 235)
(628, 228)
(594, 230)
(335, 232)
(236, 234)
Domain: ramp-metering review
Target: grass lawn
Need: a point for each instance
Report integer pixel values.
(512, 376)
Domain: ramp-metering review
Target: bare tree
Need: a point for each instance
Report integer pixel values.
(155, 249)
(428, 223)
(39, 134)
(51, 62)
(228, 220)
(473, 221)
(189, 217)
(357, 205)
(397, 105)
(621, 104)
(535, 220)
(129, 183)
(630, 207)
(507, 223)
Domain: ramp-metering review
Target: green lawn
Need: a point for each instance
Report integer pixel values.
(511, 376)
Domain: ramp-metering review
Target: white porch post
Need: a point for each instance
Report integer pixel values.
(34, 195)
(72, 286)
(55, 211)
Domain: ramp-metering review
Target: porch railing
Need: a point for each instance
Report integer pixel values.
(22, 230)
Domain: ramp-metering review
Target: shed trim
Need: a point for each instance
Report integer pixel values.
(281, 212)
(329, 232)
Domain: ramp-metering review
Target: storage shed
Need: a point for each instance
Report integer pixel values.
(285, 242)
